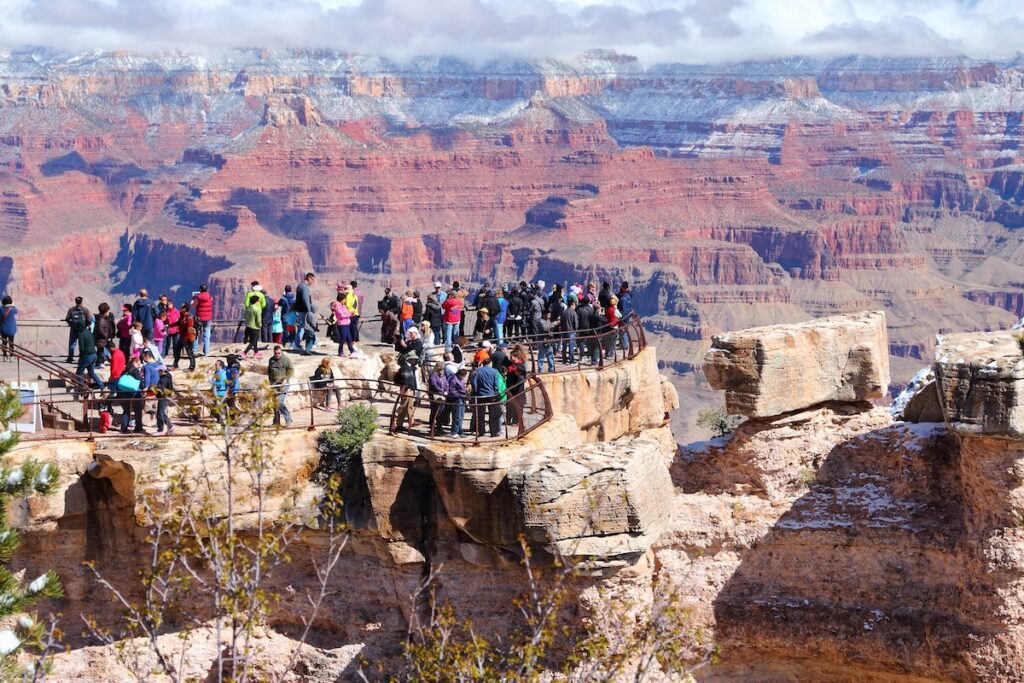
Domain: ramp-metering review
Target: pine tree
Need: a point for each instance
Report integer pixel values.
(15, 596)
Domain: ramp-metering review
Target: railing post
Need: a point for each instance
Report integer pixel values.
(312, 417)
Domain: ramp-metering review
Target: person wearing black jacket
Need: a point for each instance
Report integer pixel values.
(490, 302)
(77, 318)
(164, 391)
(514, 317)
(389, 304)
(435, 316)
(605, 296)
(588, 327)
(406, 381)
(104, 329)
(569, 324)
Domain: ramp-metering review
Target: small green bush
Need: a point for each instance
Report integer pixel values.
(340, 448)
(717, 421)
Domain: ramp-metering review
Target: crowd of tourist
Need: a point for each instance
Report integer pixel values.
(150, 338)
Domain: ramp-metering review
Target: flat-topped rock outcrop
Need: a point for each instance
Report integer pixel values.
(980, 378)
(768, 371)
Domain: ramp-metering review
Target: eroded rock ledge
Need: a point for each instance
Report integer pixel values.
(823, 541)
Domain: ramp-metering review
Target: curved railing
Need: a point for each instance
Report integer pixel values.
(522, 412)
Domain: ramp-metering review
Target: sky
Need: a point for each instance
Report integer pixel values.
(692, 31)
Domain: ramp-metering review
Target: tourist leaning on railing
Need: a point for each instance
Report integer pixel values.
(8, 327)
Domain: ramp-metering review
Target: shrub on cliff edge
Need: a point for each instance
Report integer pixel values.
(339, 448)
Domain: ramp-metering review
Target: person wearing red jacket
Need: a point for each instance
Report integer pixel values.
(203, 307)
(171, 340)
(117, 364)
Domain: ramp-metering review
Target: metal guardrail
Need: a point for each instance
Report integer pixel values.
(521, 413)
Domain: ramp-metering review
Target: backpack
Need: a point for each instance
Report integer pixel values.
(77, 319)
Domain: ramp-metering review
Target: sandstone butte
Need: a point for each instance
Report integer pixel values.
(824, 542)
(729, 197)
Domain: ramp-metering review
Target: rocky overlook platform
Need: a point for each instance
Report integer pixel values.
(825, 541)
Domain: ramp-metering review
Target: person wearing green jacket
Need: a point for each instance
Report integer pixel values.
(280, 372)
(253, 323)
(87, 356)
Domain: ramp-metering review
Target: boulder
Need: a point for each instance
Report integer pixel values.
(919, 402)
(980, 381)
(472, 483)
(768, 371)
(606, 501)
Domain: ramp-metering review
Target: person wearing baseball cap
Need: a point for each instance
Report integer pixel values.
(440, 293)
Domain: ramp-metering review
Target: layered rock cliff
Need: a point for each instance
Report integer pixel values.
(821, 540)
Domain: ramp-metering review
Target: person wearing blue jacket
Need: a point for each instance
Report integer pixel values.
(150, 371)
(8, 327)
(144, 312)
(501, 317)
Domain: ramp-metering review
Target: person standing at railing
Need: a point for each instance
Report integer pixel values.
(117, 364)
(302, 307)
(164, 391)
(285, 303)
(588, 328)
(280, 372)
(569, 325)
(388, 307)
(171, 338)
(129, 386)
(144, 313)
(124, 330)
(276, 323)
(501, 316)
(87, 357)
(437, 388)
(8, 327)
(202, 304)
(253, 324)
(187, 335)
(515, 380)
(546, 348)
(160, 330)
(485, 398)
(406, 381)
(343, 324)
(104, 329)
(323, 381)
(357, 311)
(433, 315)
(457, 400)
(78, 318)
(452, 308)
(514, 313)
(612, 315)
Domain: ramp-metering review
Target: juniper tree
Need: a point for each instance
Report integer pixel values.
(16, 597)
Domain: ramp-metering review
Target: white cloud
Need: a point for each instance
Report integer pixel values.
(655, 30)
